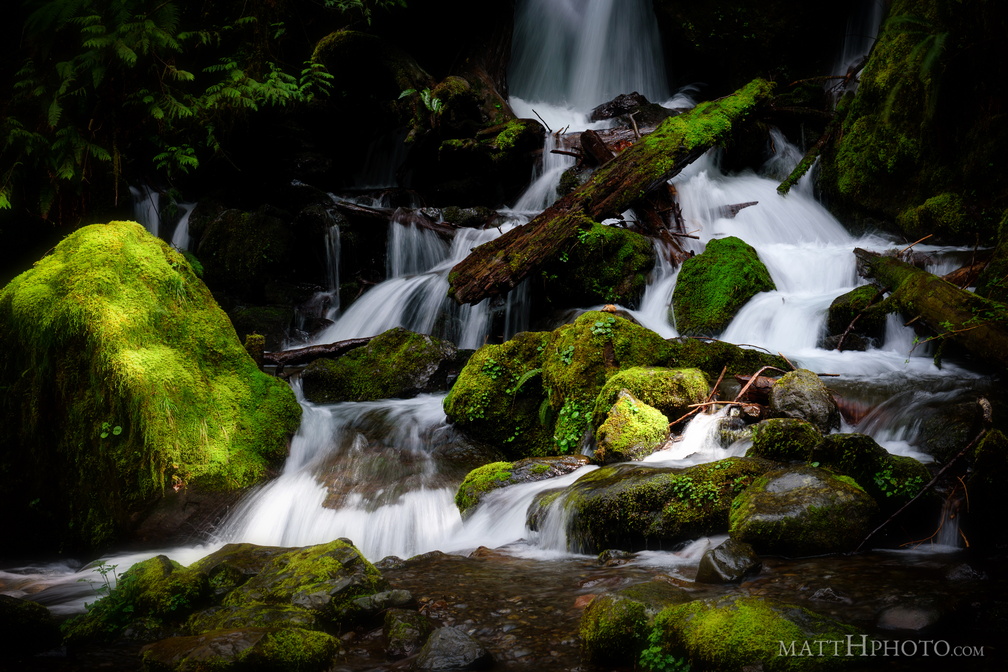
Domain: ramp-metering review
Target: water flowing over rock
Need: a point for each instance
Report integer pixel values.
(730, 562)
(802, 511)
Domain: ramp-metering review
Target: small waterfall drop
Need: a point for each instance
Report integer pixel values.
(147, 208)
(180, 238)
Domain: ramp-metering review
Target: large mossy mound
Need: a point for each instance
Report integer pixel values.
(396, 363)
(122, 377)
(714, 285)
(748, 632)
(537, 394)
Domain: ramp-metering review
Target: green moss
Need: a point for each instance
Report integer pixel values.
(631, 506)
(396, 363)
(712, 286)
(632, 430)
(712, 356)
(671, 391)
(734, 632)
(943, 215)
(784, 439)
(269, 649)
(993, 281)
(479, 481)
(892, 480)
(606, 264)
(125, 377)
(612, 627)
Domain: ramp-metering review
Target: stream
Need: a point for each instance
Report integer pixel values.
(380, 473)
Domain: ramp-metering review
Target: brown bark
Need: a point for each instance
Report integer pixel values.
(496, 267)
(977, 325)
(309, 353)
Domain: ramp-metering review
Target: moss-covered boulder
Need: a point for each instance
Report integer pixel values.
(495, 475)
(397, 363)
(614, 626)
(26, 628)
(801, 394)
(607, 265)
(405, 631)
(123, 378)
(633, 507)
(860, 311)
(714, 285)
(245, 649)
(784, 439)
(632, 430)
(741, 632)
(537, 393)
(892, 480)
(802, 511)
(671, 391)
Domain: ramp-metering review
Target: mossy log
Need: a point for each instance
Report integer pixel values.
(976, 324)
(496, 267)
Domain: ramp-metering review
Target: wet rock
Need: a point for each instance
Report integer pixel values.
(252, 648)
(369, 607)
(965, 572)
(729, 562)
(730, 633)
(405, 631)
(395, 364)
(631, 431)
(624, 103)
(636, 507)
(614, 626)
(909, 618)
(892, 480)
(614, 558)
(495, 475)
(714, 285)
(26, 628)
(451, 649)
(784, 439)
(801, 394)
(861, 304)
(802, 511)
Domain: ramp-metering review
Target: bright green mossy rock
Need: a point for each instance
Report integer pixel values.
(498, 396)
(123, 377)
(633, 507)
(712, 286)
(738, 632)
(632, 430)
(863, 304)
(802, 511)
(784, 439)
(482, 480)
(396, 363)
(671, 391)
(943, 215)
(245, 649)
(537, 393)
(607, 265)
(892, 480)
(614, 626)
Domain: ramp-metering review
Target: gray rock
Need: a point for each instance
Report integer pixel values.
(451, 649)
(405, 632)
(800, 394)
(802, 511)
(909, 618)
(729, 562)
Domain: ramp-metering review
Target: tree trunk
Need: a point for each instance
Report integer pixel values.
(497, 266)
(977, 325)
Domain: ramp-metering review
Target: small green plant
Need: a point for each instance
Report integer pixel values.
(567, 355)
(108, 429)
(493, 368)
(433, 105)
(655, 659)
(109, 579)
(691, 492)
(893, 487)
(604, 328)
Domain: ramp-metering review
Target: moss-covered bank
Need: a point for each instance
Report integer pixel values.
(122, 378)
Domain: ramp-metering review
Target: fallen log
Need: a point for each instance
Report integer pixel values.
(497, 266)
(298, 356)
(974, 323)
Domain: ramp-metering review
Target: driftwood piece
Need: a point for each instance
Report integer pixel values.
(497, 266)
(298, 356)
(977, 325)
(729, 211)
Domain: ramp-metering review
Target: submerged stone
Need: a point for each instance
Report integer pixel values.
(449, 648)
(405, 632)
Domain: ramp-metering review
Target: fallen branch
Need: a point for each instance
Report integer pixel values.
(307, 354)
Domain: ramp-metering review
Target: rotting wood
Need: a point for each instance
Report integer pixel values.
(298, 356)
(497, 266)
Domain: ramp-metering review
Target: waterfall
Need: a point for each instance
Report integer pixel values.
(180, 239)
(147, 208)
(581, 53)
